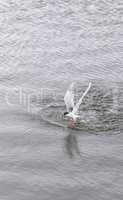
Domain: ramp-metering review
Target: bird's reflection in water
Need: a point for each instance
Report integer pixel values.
(71, 143)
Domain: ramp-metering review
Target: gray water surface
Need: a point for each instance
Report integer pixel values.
(44, 46)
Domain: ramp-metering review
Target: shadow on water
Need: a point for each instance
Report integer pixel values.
(71, 144)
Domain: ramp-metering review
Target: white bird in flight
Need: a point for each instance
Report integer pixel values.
(72, 109)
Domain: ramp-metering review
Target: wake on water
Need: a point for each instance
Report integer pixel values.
(99, 111)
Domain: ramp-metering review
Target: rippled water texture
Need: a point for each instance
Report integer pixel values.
(44, 46)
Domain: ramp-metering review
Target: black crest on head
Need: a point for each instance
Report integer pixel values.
(65, 113)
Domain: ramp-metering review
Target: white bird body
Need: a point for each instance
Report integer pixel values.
(73, 116)
(69, 101)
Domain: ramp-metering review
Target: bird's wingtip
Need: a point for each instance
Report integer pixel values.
(90, 83)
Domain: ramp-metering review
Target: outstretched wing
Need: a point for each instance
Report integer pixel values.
(69, 98)
(76, 107)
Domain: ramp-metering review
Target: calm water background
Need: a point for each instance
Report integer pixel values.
(44, 46)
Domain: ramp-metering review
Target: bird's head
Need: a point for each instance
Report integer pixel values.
(66, 113)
